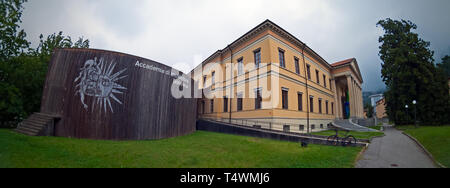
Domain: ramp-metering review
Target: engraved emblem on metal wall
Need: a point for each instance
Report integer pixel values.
(97, 79)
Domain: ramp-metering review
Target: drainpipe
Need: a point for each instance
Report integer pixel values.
(231, 84)
(307, 93)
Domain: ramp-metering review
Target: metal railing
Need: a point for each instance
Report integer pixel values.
(277, 127)
(273, 126)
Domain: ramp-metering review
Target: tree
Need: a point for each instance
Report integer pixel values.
(23, 77)
(410, 74)
(54, 41)
(13, 42)
(369, 110)
(22, 69)
(445, 65)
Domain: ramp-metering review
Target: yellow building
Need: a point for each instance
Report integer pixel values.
(277, 82)
(381, 109)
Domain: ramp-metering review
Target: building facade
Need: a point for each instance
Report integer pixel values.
(271, 78)
(381, 109)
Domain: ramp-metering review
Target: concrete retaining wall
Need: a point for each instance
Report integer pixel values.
(260, 133)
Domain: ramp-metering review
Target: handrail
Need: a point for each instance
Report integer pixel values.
(277, 126)
(270, 126)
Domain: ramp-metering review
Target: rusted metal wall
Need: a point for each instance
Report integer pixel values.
(108, 95)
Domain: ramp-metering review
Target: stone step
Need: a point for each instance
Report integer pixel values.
(33, 123)
(29, 131)
(37, 121)
(50, 116)
(40, 118)
(31, 126)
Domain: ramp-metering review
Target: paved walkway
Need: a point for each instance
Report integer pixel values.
(348, 125)
(395, 150)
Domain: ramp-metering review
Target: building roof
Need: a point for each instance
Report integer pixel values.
(274, 27)
(376, 95)
(267, 24)
(347, 61)
(380, 101)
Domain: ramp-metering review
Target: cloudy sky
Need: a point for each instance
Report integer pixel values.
(182, 33)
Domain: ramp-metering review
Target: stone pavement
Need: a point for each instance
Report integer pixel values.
(395, 150)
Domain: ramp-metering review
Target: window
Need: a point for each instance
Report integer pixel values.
(301, 128)
(313, 127)
(239, 102)
(213, 78)
(257, 54)
(332, 108)
(300, 101)
(212, 106)
(308, 69)
(225, 104)
(241, 66)
(321, 126)
(331, 85)
(282, 61)
(286, 128)
(320, 106)
(325, 81)
(204, 81)
(297, 65)
(317, 77)
(203, 107)
(311, 104)
(258, 99)
(285, 98)
(326, 103)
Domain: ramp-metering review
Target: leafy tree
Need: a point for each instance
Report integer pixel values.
(25, 76)
(410, 74)
(54, 41)
(369, 108)
(12, 41)
(445, 65)
(22, 69)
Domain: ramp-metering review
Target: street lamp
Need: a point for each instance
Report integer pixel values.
(415, 113)
(407, 114)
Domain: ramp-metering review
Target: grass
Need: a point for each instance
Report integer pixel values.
(357, 135)
(435, 139)
(197, 150)
(378, 127)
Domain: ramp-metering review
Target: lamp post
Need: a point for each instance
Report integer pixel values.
(415, 112)
(407, 113)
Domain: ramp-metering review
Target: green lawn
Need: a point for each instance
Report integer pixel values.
(435, 139)
(378, 127)
(357, 135)
(198, 150)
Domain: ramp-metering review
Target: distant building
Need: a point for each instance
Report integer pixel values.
(381, 109)
(375, 98)
(373, 101)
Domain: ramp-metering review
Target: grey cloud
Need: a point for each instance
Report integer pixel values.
(172, 31)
